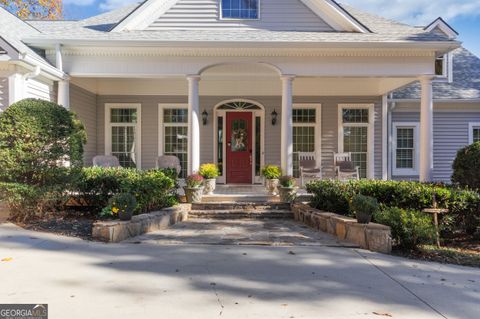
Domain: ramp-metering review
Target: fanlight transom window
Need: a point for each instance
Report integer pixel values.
(239, 105)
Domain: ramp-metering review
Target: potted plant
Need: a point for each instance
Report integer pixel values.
(209, 172)
(364, 207)
(194, 188)
(288, 191)
(121, 205)
(271, 173)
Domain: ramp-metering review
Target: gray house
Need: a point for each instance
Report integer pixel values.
(244, 84)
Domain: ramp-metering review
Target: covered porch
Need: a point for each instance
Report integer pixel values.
(324, 102)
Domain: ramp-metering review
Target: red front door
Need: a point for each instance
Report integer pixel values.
(239, 147)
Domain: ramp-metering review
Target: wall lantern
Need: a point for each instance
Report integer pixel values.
(205, 117)
(274, 117)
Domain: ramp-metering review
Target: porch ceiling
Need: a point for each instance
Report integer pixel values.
(244, 83)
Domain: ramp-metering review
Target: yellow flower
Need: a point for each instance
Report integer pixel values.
(115, 210)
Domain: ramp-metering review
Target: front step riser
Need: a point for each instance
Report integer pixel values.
(240, 206)
(240, 216)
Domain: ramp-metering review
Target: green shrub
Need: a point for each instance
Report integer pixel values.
(271, 172)
(466, 166)
(364, 204)
(335, 196)
(409, 228)
(36, 138)
(153, 189)
(27, 201)
(209, 171)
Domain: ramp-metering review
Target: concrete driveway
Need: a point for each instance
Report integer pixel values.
(80, 279)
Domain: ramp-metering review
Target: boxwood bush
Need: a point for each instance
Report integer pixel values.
(466, 166)
(409, 227)
(153, 189)
(335, 196)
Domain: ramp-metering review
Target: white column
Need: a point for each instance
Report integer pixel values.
(63, 97)
(16, 88)
(287, 125)
(426, 130)
(385, 137)
(194, 121)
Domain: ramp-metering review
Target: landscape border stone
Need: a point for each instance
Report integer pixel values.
(116, 231)
(374, 237)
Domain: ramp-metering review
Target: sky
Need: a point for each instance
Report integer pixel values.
(462, 15)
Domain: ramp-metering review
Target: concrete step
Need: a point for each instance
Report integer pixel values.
(240, 214)
(240, 198)
(248, 206)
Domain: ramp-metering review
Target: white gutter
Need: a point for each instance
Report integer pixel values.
(32, 75)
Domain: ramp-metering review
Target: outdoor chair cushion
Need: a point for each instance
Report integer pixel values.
(311, 170)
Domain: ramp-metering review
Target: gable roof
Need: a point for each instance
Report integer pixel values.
(465, 85)
(442, 26)
(95, 31)
(328, 10)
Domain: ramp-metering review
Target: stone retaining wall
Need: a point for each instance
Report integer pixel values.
(116, 231)
(374, 237)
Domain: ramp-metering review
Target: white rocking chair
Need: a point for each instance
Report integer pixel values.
(308, 166)
(106, 161)
(344, 167)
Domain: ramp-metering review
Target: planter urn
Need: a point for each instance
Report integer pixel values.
(287, 194)
(194, 195)
(363, 218)
(125, 215)
(209, 186)
(271, 186)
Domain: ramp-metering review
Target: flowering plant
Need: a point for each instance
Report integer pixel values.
(194, 181)
(209, 171)
(120, 204)
(288, 181)
(271, 172)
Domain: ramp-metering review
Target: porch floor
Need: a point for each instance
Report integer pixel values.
(245, 193)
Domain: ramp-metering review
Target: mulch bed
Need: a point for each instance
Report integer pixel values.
(73, 224)
(461, 250)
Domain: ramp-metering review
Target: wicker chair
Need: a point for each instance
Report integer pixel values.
(344, 167)
(106, 161)
(308, 166)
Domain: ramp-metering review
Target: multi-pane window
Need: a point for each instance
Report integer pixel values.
(304, 125)
(355, 136)
(175, 135)
(240, 9)
(476, 134)
(405, 152)
(123, 135)
(440, 64)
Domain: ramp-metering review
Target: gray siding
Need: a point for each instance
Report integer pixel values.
(272, 133)
(450, 133)
(274, 15)
(84, 104)
(3, 94)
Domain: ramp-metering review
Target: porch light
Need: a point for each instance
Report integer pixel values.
(274, 117)
(205, 117)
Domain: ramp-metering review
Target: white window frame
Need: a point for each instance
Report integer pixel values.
(220, 14)
(371, 133)
(447, 68)
(137, 125)
(416, 162)
(317, 125)
(161, 128)
(471, 126)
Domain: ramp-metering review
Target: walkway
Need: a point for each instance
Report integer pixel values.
(80, 279)
(238, 232)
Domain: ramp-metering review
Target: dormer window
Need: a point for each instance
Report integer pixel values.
(240, 9)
